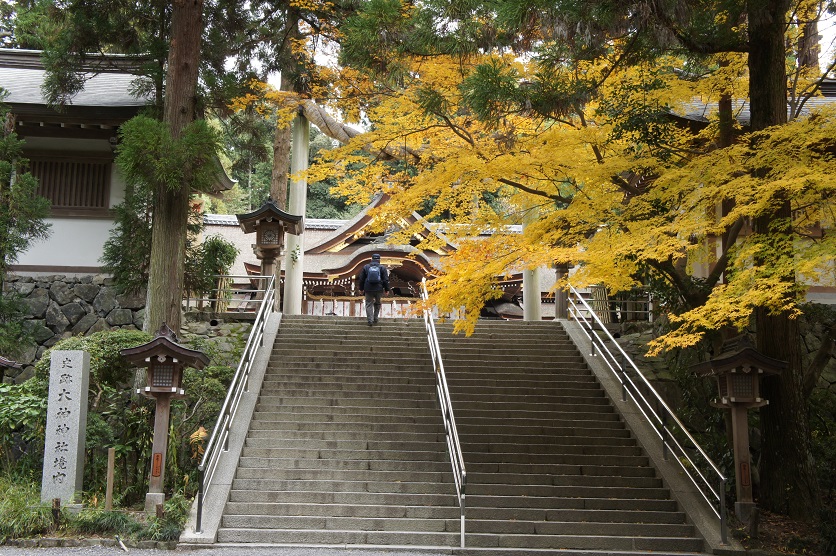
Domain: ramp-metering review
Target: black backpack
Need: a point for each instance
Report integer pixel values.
(373, 276)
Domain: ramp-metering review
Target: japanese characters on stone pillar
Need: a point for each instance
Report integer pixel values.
(66, 425)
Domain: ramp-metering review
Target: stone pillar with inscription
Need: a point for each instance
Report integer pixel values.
(66, 426)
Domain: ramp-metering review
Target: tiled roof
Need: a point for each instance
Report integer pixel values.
(700, 111)
(21, 75)
(310, 223)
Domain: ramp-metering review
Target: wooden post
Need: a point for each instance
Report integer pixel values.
(56, 512)
(156, 482)
(111, 463)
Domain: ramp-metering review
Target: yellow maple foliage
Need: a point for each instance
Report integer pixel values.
(617, 198)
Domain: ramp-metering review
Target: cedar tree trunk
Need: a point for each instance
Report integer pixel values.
(787, 478)
(171, 202)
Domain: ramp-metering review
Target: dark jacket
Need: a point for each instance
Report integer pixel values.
(384, 279)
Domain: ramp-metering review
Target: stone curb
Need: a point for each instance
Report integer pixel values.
(51, 542)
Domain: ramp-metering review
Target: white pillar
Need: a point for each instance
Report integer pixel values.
(297, 198)
(532, 309)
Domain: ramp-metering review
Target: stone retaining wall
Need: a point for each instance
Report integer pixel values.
(62, 306)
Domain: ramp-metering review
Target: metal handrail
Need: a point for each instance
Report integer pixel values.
(663, 420)
(219, 441)
(451, 434)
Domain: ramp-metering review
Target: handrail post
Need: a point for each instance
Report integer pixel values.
(462, 517)
(664, 432)
(623, 378)
(198, 528)
(724, 526)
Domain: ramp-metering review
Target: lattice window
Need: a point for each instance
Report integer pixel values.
(73, 183)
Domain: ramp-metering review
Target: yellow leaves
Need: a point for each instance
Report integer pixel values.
(196, 440)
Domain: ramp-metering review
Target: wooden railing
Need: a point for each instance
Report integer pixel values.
(352, 306)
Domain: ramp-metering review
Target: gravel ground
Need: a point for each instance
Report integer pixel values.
(213, 551)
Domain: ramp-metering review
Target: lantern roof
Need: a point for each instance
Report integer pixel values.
(9, 364)
(165, 343)
(270, 212)
(736, 353)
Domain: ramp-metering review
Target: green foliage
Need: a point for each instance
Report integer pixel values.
(14, 333)
(168, 528)
(101, 522)
(119, 419)
(106, 365)
(212, 257)
(21, 512)
(22, 423)
(126, 253)
(22, 214)
(22, 515)
(149, 156)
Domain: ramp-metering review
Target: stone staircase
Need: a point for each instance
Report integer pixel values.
(346, 446)
(550, 463)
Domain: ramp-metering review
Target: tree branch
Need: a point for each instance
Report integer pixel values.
(723, 261)
(558, 198)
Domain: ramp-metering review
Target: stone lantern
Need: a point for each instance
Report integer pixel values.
(737, 370)
(270, 224)
(165, 360)
(7, 364)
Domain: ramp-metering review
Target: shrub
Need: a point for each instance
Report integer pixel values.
(168, 527)
(96, 522)
(22, 514)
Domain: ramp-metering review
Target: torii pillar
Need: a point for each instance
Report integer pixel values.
(532, 308)
(297, 199)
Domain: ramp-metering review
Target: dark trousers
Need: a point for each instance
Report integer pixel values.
(373, 305)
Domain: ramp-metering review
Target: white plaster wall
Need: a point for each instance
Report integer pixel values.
(78, 241)
(73, 242)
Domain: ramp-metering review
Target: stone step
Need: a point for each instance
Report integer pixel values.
(317, 485)
(352, 475)
(345, 510)
(357, 427)
(507, 442)
(603, 415)
(366, 391)
(590, 470)
(300, 408)
(347, 417)
(560, 459)
(474, 526)
(328, 464)
(619, 515)
(375, 363)
(566, 395)
(500, 384)
(615, 480)
(348, 435)
(344, 401)
(397, 499)
(258, 450)
(333, 537)
(404, 380)
(424, 539)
